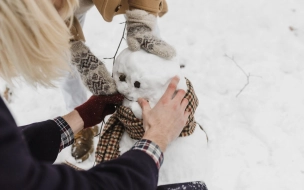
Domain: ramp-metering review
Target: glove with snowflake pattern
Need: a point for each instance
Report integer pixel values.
(92, 71)
(142, 32)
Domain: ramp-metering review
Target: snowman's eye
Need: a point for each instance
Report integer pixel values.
(122, 77)
(137, 84)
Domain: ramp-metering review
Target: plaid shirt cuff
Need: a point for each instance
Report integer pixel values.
(151, 149)
(67, 135)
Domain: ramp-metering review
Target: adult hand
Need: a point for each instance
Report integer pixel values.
(94, 110)
(166, 120)
(142, 33)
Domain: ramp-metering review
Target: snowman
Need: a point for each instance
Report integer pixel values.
(142, 75)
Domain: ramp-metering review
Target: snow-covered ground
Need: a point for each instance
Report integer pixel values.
(256, 129)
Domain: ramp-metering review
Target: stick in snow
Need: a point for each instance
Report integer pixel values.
(247, 75)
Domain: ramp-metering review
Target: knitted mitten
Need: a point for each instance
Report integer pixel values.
(142, 33)
(96, 108)
(92, 71)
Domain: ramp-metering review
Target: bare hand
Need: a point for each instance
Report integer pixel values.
(166, 120)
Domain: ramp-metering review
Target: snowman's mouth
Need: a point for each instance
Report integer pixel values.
(132, 100)
(129, 99)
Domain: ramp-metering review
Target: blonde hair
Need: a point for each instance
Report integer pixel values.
(67, 9)
(34, 40)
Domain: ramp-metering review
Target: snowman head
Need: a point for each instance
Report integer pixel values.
(143, 75)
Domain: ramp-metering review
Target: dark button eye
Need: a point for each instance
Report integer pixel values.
(137, 84)
(122, 77)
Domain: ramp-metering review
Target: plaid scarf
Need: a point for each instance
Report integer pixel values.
(124, 120)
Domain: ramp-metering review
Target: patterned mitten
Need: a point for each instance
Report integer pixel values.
(92, 71)
(142, 33)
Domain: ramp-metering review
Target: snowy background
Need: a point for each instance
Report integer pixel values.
(255, 128)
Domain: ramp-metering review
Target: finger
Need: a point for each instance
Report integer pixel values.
(164, 50)
(186, 116)
(184, 103)
(170, 89)
(179, 95)
(144, 104)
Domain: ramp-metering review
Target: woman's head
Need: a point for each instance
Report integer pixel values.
(34, 39)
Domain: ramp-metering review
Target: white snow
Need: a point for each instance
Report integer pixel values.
(255, 139)
(185, 159)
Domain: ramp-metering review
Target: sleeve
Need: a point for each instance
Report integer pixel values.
(157, 7)
(66, 133)
(133, 170)
(43, 140)
(151, 149)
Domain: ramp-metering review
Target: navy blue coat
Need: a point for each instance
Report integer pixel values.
(24, 169)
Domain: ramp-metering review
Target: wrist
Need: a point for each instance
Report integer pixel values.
(75, 121)
(160, 140)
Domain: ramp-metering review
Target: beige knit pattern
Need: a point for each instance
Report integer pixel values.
(140, 26)
(93, 72)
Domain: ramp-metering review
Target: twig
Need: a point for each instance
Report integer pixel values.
(123, 34)
(98, 134)
(122, 37)
(247, 75)
(203, 130)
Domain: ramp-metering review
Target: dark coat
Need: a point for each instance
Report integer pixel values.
(19, 170)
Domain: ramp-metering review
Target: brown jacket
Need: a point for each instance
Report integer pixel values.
(109, 8)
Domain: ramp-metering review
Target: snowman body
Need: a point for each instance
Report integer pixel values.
(143, 75)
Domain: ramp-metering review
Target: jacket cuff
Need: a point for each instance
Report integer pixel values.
(67, 135)
(151, 149)
(153, 7)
